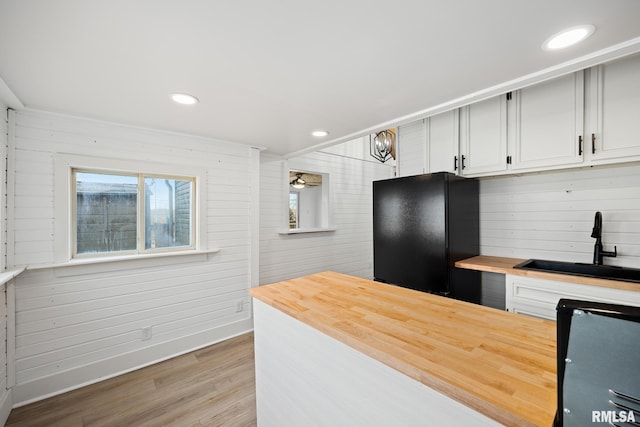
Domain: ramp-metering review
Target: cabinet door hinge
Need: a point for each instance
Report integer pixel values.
(509, 94)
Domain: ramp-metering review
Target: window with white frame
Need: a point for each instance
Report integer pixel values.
(109, 208)
(124, 213)
(308, 200)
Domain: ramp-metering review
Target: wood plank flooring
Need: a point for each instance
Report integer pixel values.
(213, 386)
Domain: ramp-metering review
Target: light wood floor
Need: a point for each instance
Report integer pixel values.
(214, 386)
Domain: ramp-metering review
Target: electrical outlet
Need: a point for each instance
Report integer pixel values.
(239, 306)
(146, 333)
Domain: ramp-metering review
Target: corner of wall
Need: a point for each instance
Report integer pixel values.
(6, 394)
(6, 404)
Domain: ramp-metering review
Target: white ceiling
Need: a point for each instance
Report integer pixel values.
(267, 73)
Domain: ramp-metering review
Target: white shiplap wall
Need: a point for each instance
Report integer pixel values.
(6, 400)
(348, 249)
(550, 215)
(4, 140)
(79, 324)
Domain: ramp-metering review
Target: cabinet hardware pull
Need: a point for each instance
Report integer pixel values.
(580, 145)
(455, 163)
(463, 166)
(593, 143)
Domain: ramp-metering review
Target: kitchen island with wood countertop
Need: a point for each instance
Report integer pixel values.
(333, 349)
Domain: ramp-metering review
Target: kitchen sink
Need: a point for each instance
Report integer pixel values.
(610, 272)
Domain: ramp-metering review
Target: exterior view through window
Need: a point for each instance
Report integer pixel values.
(111, 208)
(293, 209)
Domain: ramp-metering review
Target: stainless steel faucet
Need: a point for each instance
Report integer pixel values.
(598, 252)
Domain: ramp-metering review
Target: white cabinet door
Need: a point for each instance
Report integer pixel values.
(411, 149)
(539, 297)
(549, 119)
(442, 142)
(617, 107)
(483, 136)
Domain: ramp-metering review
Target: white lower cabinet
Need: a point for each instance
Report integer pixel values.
(539, 297)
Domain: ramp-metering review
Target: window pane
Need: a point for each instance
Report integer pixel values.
(293, 209)
(106, 208)
(167, 212)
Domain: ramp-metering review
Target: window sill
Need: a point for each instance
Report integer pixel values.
(8, 275)
(103, 260)
(307, 230)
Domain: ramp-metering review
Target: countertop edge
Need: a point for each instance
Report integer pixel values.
(504, 265)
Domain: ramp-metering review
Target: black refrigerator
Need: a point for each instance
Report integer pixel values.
(422, 225)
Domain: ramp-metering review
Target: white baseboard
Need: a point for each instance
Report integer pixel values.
(6, 404)
(42, 388)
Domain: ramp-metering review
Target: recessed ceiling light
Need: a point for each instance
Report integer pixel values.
(319, 133)
(184, 98)
(568, 37)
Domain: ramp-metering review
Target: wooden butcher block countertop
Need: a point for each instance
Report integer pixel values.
(501, 364)
(503, 265)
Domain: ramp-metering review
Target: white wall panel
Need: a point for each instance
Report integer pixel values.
(6, 399)
(412, 149)
(78, 324)
(348, 249)
(550, 215)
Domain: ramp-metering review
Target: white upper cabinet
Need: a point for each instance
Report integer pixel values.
(429, 145)
(442, 142)
(539, 127)
(549, 123)
(483, 136)
(616, 107)
(411, 149)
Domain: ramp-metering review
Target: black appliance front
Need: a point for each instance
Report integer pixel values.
(598, 355)
(421, 225)
(409, 232)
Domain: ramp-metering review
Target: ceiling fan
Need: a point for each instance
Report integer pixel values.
(301, 180)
